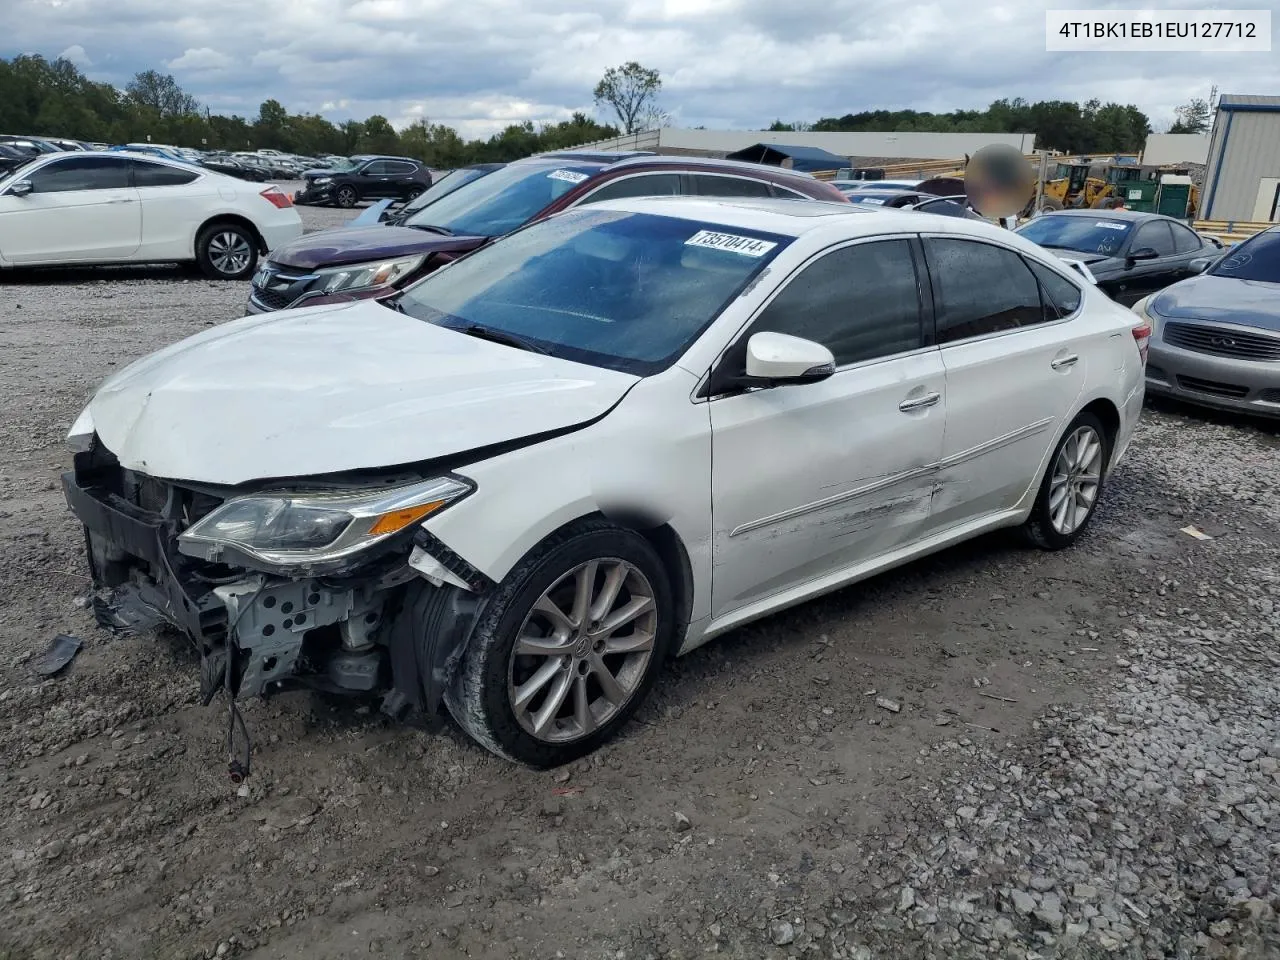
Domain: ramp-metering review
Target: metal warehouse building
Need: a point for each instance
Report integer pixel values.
(1242, 181)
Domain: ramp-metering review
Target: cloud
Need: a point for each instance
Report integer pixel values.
(724, 63)
(75, 53)
(199, 59)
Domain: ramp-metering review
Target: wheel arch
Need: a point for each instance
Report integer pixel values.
(233, 218)
(1109, 414)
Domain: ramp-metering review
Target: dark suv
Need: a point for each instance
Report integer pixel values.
(365, 178)
(335, 266)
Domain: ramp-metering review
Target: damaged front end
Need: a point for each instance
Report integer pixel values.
(325, 583)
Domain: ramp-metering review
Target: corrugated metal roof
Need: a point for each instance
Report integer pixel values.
(1247, 100)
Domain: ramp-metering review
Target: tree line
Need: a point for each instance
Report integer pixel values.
(40, 97)
(1090, 127)
(53, 98)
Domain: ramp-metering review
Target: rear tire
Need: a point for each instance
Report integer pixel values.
(1072, 485)
(1051, 203)
(578, 681)
(346, 196)
(226, 251)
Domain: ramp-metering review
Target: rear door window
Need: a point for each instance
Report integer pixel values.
(147, 174)
(710, 185)
(980, 289)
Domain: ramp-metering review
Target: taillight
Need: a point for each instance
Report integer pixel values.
(277, 197)
(1142, 336)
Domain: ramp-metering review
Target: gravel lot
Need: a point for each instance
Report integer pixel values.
(1080, 754)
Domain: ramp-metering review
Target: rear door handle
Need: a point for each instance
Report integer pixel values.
(120, 200)
(1063, 362)
(919, 403)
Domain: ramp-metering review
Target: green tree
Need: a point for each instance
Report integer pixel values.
(378, 136)
(629, 90)
(1193, 117)
(162, 94)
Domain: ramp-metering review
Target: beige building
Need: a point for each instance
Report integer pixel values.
(1242, 181)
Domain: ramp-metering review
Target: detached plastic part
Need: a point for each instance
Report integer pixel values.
(60, 652)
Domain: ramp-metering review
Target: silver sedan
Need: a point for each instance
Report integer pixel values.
(1216, 336)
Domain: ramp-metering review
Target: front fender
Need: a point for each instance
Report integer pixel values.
(646, 463)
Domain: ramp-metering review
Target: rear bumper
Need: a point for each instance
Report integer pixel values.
(276, 235)
(1244, 386)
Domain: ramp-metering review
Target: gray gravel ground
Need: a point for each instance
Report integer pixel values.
(1084, 758)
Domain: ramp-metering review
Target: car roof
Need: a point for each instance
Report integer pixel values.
(762, 170)
(1135, 216)
(794, 218)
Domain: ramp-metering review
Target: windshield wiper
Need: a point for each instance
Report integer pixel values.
(431, 228)
(500, 336)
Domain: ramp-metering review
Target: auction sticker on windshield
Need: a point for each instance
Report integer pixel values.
(747, 246)
(568, 176)
(1108, 225)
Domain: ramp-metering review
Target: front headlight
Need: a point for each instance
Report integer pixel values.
(364, 276)
(321, 181)
(315, 528)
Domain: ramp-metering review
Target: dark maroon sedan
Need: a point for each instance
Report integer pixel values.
(335, 266)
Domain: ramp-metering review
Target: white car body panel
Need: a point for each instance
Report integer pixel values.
(775, 495)
(131, 225)
(334, 388)
(76, 226)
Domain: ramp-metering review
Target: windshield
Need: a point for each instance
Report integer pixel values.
(1100, 235)
(340, 166)
(626, 291)
(1258, 258)
(450, 182)
(495, 205)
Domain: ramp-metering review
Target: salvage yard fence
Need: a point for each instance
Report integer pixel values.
(1230, 231)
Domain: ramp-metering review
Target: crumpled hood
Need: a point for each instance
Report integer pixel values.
(1253, 303)
(360, 244)
(328, 389)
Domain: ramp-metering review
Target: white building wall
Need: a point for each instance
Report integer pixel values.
(1176, 148)
(914, 146)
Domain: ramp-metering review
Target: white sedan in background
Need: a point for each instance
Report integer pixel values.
(83, 208)
(522, 483)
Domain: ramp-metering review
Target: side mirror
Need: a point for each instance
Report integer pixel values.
(779, 358)
(1199, 264)
(20, 188)
(1142, 253)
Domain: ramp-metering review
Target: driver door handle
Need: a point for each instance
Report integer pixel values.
(919, 403)
(120, 200)
(1064, 362)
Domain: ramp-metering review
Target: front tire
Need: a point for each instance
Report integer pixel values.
(567, 648)
(346, 197)
(226, 251)
(1072, 485)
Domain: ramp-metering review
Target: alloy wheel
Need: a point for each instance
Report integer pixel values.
(346, 197)
(583, 650)
(229, 252)
(1077, 474)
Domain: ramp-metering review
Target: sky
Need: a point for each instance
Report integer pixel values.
(480, 65)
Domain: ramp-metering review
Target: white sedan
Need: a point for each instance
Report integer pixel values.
(521, 484)
(115, 207)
